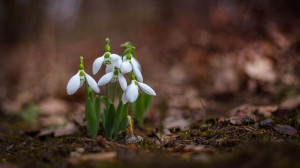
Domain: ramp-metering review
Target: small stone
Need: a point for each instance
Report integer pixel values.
(77, 153)
(267, 122)
(130, 139)
(139, 139)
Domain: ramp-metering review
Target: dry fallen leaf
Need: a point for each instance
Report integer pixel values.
(238, 120)
(45, 132)
(248, 109)
(197, 149)
(52, 106)
(291, 103)
(69, 129)
(267, 111)
(285, 129)
(47, 121)
(173, 122)
(261, 69)
(92, 157)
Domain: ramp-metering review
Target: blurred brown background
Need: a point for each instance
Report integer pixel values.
(220, 52)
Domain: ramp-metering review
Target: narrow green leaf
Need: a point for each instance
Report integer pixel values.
(118, 115)
(86, 114)
(147, 101)
(91, 94)
(97, 108)
(124, 121)
(105, 110)
(91, 119)
(139, 110)
(133, 107)
(109, 121)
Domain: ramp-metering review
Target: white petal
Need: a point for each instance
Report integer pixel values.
(92, 83)
(124, 100)
(137, 74)
(105, 78)
(73, 84)
(117, 63)
(132, 93)
(115, 57)
(126, 67)
(109, 68)
(147, 89)
(97, 64)
(122, 81)
(136, 63)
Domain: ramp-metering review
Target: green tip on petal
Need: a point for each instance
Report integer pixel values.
(106, 55)
(81, 73)
(132, 76)
(135, 82)
(128, 56)
(116, 72)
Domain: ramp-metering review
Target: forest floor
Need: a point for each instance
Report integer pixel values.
(239, 141)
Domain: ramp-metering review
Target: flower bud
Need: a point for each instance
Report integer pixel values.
(81, 67)
(107, 47)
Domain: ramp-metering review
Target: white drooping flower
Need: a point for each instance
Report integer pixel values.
(113, 76)
(131, 64)
(77, 81)
(132, 91)
(110, 60)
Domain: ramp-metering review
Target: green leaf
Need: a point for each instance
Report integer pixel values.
(123, 120)
(97, 108)
(30, 112)
(109, 121)
(91, 119)
(86, 113)
(106, 104)
(117, 123)
(138, 110)
(147, 101)
(91, 94)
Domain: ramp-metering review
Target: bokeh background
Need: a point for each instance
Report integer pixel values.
(221, 53)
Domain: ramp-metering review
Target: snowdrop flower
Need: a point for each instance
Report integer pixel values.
(132, 92)
(110, 60)
(129, 64)
(77, 80)
(113, 76)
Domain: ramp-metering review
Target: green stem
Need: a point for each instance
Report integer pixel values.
(114, 93)
(86, 86)
(120, 94)
(107, 90)
(107, 95)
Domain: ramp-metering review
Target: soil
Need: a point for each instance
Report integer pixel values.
(209, 143)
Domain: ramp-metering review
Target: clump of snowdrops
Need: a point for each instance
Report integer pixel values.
(114, 119)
